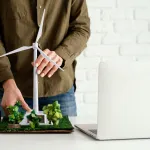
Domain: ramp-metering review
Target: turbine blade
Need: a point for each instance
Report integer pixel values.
(17, 50)
(41, 28)
(46, 57)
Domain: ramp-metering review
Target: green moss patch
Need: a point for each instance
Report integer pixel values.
(64, 124)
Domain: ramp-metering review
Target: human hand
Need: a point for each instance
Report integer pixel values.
(44, 67)
(11, 95)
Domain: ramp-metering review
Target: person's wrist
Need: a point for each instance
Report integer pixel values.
(10, 83)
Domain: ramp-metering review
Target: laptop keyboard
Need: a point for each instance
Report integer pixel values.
(93, 131)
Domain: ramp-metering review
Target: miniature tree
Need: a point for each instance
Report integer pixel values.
(53, 113)
(34, 120)
(15, 117)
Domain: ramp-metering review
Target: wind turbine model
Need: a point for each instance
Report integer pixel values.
(35, 76)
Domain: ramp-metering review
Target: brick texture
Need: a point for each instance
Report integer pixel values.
(120, 28)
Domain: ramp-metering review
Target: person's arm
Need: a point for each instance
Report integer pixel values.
(11, 92)
(78, 33)
(74, 43)
(5, 70)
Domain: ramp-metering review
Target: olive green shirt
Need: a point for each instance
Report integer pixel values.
(66, 31)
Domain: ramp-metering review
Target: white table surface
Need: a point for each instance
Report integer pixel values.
(74, 141)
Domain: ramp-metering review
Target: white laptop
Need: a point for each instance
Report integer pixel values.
(123, 101)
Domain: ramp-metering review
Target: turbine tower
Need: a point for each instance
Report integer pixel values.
(35, 47)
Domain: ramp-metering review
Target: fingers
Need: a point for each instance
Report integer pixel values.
(10, 103)
(45, 62)
(24, 104)
(44, 67)
(5, 104)
(5, 109)
(54, 69)
(50, 66)
(40, 58)
(10, 97)
(47, 69)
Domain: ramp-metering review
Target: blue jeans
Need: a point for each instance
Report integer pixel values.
(66, 101)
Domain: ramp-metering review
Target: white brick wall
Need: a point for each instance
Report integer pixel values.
(119, 28)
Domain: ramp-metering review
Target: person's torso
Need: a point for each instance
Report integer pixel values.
(19, 24)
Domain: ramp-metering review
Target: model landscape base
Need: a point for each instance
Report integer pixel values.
(64, 126)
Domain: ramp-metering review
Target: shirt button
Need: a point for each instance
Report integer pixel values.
(40, 7)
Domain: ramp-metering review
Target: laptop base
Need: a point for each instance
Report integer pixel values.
(89, 129)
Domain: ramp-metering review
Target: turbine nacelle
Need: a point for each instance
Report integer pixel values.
(35, 45)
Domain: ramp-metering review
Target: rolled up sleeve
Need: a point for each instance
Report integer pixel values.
(78, 33)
